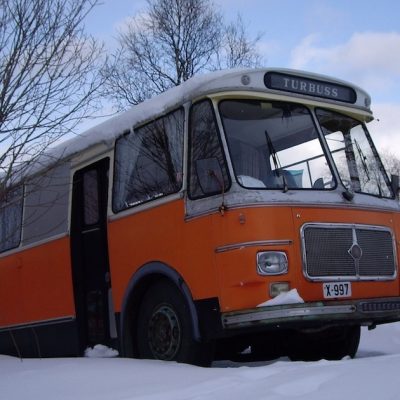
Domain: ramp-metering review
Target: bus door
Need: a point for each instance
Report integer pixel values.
(90, 265)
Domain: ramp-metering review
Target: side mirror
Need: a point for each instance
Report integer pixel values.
(209, 174)
(395, 183)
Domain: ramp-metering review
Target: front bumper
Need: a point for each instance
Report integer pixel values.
(366, 312)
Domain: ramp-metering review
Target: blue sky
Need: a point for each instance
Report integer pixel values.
(354, 40)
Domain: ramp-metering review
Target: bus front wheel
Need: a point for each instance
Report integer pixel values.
(164, 328)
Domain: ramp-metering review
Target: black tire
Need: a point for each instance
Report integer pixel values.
(345, 345)
(332, 344)
(164, 328)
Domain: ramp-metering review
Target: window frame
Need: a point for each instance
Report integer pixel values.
(221, 145)
(374, 151)
(134, 131)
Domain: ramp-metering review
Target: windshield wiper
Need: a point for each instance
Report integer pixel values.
(363, 160)
(366, 168)
(275, 160)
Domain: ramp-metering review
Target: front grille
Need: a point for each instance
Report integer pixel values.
(348, 251)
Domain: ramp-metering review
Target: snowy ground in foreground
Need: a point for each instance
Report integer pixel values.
(373, 374)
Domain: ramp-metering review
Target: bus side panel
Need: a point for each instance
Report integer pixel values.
(36, 285)
(37, 313)
(11, 296)
(161, 234)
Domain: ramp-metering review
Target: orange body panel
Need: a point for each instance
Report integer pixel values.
(313, 291)
(242, 287)
(190, 247)
(36, 284)
(161, 234)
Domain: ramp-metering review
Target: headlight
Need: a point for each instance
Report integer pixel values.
(272, 263)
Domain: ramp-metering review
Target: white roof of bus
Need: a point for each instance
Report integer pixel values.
(106, 132)
(109, 130)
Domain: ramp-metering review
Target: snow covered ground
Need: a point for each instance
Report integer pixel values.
(373, 374)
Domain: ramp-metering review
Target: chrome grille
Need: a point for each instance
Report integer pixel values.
(348, 251)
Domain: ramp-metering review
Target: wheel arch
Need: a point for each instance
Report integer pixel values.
(137, 286)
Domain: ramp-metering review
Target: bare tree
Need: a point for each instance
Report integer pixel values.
(170, 42)
(49, 80)
(390, 161)
(237, 49)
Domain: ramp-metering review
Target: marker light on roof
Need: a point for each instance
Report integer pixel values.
(245, 79)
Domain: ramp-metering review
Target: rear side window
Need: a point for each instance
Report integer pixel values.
(11, 219)
(149, 162)
(46, 201)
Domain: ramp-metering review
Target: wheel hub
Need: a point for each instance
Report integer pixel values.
(164, 333)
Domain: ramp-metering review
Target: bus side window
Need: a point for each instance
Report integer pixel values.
(46, 204)
(11, 218)
(204, 144)
(149, 162)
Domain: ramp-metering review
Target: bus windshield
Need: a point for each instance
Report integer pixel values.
(354, 154)
(275, 145)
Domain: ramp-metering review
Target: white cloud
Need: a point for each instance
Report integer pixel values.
(371, 59)
(385, 129)
(267, 48)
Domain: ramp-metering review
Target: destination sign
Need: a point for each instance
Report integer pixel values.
(309, 87)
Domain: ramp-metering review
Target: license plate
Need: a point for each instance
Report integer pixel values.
(335, 290)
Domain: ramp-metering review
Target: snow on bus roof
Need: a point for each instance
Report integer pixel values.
(106, 132)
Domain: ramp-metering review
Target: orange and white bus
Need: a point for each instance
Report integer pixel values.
(244, 208)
